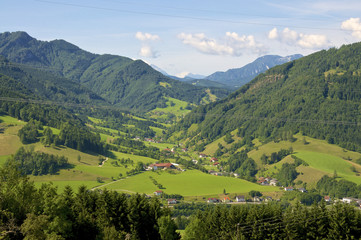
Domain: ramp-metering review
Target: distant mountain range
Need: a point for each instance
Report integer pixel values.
(118, 80)
(237, 77)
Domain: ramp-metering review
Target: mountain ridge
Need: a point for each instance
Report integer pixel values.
(318, 95)
(237, 77)
(120, 80)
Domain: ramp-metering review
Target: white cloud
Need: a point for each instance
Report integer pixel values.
(273, 34)
(182, 74)
(291, 37)
(354, 25)
(147, 51)
(146, 36)
(232, 44)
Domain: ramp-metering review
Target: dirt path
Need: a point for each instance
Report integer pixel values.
(101, 165)
(123, 190)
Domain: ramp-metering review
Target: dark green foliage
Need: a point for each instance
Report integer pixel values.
(80, 138)
(18, 80)
(228, 138)
(318, 95)
(243, 165)
(128, 145)
(29, 133)
(334, 188)
(276, 156)
(30, 213)
(287, 174)
(272, 222)
(255, 194)
(310, 198)
(38, 163)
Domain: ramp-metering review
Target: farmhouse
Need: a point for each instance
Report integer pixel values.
(288, 189)
(172, 201)
(226, 199)
(302, 190)
(213, 159)
(157, 166)
(240, 199)
(327, 199)
(158, 192)
(213, 200)
(202, 155)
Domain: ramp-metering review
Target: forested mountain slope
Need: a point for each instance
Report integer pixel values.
(318, 95)
(18, 80)
(119, 80)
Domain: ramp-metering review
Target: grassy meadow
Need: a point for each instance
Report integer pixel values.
(188, 183)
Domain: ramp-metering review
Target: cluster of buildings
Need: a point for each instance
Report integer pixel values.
(238, 199)
(169, 201)
(267, 181)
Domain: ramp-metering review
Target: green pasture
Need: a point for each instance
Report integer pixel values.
(3, 159)
(329, 164)
(313, 145)
(189, 183)
(177, 109)
(10, 120)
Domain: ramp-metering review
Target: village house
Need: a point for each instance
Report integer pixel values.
(327, 199)
(226, 199)
(288, 189)
(157, 166)
(194, 161)
(240, 198)
(268, 199)
(302, 190)
(213, 200)
(215, 164)
(202, 155)
(273, 182)
(172, 201)
(213, 159)
(158, 192)
(184, 149)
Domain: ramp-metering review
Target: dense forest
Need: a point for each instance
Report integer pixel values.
(272, 221)
(318, 95)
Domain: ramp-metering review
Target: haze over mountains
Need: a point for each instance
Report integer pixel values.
(237, 77)
(119, 80)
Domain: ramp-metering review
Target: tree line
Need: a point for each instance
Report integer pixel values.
(30, 213)
(271, 221)
(38, 163)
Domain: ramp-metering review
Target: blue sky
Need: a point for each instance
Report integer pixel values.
(201, 37)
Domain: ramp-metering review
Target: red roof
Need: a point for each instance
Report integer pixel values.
(167, 165)
(158, 191)
(216, 163)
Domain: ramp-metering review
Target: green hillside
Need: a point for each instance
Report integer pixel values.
(120, 80)
(25, 82)
(318, 95)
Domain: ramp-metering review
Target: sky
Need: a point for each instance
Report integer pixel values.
(189, 36)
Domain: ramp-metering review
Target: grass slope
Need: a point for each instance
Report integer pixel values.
(189, 183)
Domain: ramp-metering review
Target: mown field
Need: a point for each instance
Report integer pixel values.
(188, 183)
